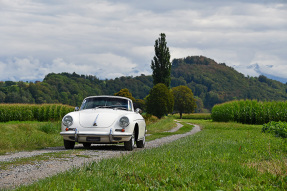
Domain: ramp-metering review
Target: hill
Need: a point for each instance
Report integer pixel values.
(210, 82)
(217, 83)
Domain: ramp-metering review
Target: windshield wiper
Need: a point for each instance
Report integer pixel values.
(121, 108)
(103, 107)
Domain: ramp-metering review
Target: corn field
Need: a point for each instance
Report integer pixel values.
(250, 111)
(34, 112)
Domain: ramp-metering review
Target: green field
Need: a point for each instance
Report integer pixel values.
(223, 156)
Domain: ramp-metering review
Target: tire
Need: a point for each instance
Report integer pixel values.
(130, 145)
(141, 143)
(87, 145)
(69, 144)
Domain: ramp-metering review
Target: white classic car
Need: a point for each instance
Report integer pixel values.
(104, 120)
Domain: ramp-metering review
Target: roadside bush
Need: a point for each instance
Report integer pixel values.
(279, 129)
(149, 119)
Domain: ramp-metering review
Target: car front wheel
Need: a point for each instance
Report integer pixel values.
(141, 143)
(129, 145)
(69, 144)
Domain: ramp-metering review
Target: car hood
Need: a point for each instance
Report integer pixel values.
(101, 118)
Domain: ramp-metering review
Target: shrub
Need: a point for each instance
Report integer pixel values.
(279, 129)
(149, 119)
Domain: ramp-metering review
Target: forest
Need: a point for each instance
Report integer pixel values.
(211, 83)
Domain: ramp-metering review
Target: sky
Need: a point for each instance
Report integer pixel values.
(109, 38)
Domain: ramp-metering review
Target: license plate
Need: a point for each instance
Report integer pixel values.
(93, 139)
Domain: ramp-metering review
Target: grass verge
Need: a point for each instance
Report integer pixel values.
(29, 135)
(224, 156)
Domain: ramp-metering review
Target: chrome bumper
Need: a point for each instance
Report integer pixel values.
(100, 137)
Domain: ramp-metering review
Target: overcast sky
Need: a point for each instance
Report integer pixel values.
(109, 38)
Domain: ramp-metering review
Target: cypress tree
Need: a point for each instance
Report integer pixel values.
(161, 64)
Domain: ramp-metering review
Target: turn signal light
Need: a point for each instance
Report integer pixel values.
(123, 130)
(67, 129)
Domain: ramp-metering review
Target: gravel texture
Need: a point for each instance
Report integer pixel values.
(28, 173)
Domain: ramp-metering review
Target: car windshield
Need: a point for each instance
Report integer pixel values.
(105, 102)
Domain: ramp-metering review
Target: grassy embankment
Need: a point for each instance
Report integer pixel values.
(29, 135)
(224, 156)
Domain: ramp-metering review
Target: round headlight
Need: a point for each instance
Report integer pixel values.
(124, 122)
(68, 120)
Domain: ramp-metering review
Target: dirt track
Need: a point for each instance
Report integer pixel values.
(28, 173)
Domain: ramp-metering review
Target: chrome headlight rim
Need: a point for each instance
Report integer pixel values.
(67, 120)
(124, 122)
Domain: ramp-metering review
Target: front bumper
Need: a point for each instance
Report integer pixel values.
(96, 137)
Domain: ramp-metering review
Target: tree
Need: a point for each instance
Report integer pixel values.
(184, 101)
(125, 93)
(138, 103)
(160, 101)
(199, 105)
(161, 65)
(2, 97)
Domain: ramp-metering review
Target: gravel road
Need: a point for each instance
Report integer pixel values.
(29, 173)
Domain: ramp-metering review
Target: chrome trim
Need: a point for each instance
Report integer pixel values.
(95, 122)
(100, 135)
(110, 135)
(76, 135)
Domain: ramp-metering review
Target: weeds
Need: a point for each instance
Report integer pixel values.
(50, 128)
(279, 129)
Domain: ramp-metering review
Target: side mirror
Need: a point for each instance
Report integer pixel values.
(138, 110)
(77, 108)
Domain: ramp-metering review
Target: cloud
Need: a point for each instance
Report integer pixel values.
(109, 38)
(16, 69)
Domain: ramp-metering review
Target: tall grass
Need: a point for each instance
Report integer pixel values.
(27, 112)
(250, 111)
(29, 135)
